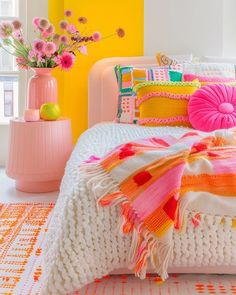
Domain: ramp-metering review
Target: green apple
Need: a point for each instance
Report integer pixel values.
(50, 111)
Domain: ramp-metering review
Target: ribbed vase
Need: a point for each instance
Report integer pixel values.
(42, 88)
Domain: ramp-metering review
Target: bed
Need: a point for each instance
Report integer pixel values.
(83, 240)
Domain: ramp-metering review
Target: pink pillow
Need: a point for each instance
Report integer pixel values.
(192, 77)
(213, 107)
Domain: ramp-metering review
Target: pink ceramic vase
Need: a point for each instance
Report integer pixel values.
(42, 88)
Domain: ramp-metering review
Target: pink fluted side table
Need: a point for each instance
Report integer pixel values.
(38, 152)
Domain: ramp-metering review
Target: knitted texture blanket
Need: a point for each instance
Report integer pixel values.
(149, 180)
(83, 242)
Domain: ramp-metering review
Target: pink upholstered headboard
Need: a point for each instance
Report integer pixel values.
(102, 87)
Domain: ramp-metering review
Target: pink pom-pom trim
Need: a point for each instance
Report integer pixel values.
(166, 121)
(192, 77)
(162, 94)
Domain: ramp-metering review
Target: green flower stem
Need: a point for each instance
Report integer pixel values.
(21, 47)
(11, 53)
(18, 50)
(107, 37)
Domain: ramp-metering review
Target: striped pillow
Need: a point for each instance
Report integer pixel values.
(204, 80)
(164, 103)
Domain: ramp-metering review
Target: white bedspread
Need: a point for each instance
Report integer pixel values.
(83, 240)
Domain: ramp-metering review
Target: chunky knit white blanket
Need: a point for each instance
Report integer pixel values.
(83, 241)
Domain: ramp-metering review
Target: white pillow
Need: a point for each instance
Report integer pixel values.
(183, 57)
(210, 69)
(213, 59)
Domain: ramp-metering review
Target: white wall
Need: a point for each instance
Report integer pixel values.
(201, 27)
(229, 28)
(35, 8)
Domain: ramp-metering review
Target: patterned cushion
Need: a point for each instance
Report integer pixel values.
(129, 76)
(213, 107)
(164, 103)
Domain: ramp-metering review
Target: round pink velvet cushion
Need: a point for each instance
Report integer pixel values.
(213, 107)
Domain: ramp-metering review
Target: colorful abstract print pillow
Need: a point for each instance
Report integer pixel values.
(129, 76)
(164, 103)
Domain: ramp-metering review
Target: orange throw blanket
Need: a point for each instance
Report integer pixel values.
(149, 178)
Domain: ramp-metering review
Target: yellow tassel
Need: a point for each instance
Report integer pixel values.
(222, 221)
(234, 223)
(158, 280)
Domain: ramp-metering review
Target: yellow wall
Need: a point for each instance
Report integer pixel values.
(104, 16)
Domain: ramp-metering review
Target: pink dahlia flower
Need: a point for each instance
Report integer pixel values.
(96, 36)
(68, 13)
(35, 56)
(65, 61)
(64, 39)
(32, 55)
(16, 24)
(63, 24)
(120, 32)
(18, 35)
(40, 58)
(56, 38)
(36, 21)
(71, 29)
(45, 34)
(44, 23)
(82, 20)
(50, 48)
(22, 63)
(48, 33)
(39, 46)
(6, 30)
(50, 30)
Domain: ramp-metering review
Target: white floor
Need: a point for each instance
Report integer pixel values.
(8, 193)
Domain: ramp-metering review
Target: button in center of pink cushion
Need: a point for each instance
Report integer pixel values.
(226, 108)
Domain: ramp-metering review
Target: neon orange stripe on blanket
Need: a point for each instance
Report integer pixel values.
(131, 186)
(224, 184)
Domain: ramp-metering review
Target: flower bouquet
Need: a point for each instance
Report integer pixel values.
(49, 50)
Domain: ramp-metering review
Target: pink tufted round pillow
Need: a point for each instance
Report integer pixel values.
(213, 107)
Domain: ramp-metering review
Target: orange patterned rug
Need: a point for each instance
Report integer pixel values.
(23, 229)
(22, 233)
(181, 284)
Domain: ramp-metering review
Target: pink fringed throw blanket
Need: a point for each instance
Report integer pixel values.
(149, 178)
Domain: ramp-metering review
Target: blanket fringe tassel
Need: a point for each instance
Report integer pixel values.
(145, 246)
